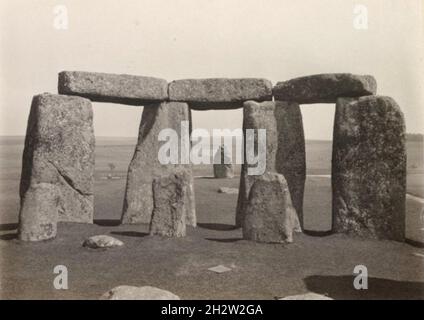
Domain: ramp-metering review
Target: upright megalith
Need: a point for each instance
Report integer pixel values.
(145, 165)
(284, 149)
(325, 88)
(116, 88)
(219, 93)
(222, 167)
(290, 155)
(169, 205)
(270, 215)
(58, 165)
(369, 168)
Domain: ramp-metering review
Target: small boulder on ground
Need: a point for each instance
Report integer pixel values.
(228, 190)
(307, 296)
(138, 293)
(102, 241)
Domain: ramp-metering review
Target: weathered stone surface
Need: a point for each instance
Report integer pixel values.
(222, 167)
(270, 216)
(39, 213)
(325, 88)
(285, 149)
(116, 88)
(169, 199)
(369, 168)
(102, 241)
(219, 93)
(307, 296)
(58, 162)
(138, 293)
(145, 165)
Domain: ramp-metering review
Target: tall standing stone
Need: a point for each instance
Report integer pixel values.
(222, 167)
(369, 168)
(285, 149)
(291, 156)
(145, 165)
(169, 209)
(58, 165)
(270, 216)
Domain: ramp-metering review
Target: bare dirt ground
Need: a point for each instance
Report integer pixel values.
(258, 271)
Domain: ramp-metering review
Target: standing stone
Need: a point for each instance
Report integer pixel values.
(285, 149)
(219, 93)
(145, 165)
(325, 88)
(270, 216)
(369, 168)
(115, 88)
(169, 212)
(222, 167)
(58, 164)
(290, 155)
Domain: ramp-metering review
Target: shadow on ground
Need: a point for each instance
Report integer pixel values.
(217, 226)
(341, 287)
(130, 233)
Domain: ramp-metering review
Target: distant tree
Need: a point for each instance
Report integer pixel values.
(112, 167)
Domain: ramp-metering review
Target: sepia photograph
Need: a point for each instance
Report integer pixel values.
(236, 153)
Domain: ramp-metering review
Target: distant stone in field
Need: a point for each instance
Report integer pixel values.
(219, 269)
(169, 210)
(307, 296)
(58, 162)
(325, 88)
(219, 93)
(102, 241)
(369, 168)
(222, 167)
(285, 149)
(270, 216)
(228, 190)
(138, 293)
(145, 165)
(116, 88)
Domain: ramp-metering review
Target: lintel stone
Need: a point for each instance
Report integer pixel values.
(114, 88)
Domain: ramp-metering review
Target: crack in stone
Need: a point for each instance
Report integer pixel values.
(62, 173)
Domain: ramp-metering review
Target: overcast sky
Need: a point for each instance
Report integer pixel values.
(175, 39)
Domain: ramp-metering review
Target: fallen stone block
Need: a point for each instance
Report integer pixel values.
(58, 162)
(138, 293)
(102, 241)
(325, 88)
(219, 93)
(369, 168)
(228, 190)
(115, 88)
(270, 216)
